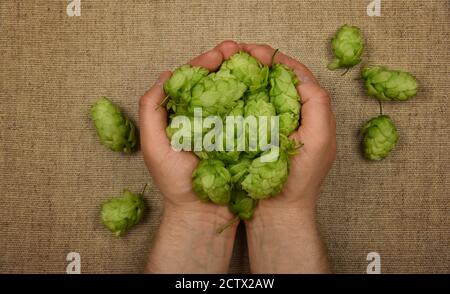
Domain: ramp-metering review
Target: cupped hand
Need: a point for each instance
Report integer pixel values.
(171, 170)
(317, 132)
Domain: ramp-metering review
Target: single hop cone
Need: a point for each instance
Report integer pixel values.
(216, 94)
(241, 205)
(249, 70)
(379, 137)
(386, 84)
(284, 96)
(212, 181)
(115, 130)
(120, 214)
(348, 46)
(179, 87)
(266, 179)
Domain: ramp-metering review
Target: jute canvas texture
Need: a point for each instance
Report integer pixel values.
(54, 173)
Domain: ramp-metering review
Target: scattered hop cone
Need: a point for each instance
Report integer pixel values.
(120, 214)
(266, 179)
(385, 84)
(248, 70)
(212, 181)
(216, 94)
(348, 46)
(180, 84)
(379, 137)
(241, 205)
(115, 130)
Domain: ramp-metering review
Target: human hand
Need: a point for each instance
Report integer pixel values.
(283, 229)
(172, 170)
(187, 240)
(317, 132)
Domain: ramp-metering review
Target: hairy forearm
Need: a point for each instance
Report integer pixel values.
(188, 242)
(285, 241)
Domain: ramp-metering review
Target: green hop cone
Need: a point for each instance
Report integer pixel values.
(290, 146)
(348, 46)
(288, 123)
(248, 70)
(227, 157)
(115, 130)
(216, 94)
(180, 84)
(239, 170)
(261, 95)
(266, 179)
(241, 205)
(386, 84)
(238, 109)
(283, 92)
(258, 109)
(379, 137)
(120, 214)
(212, 181)
(285, 98)
(171, 130)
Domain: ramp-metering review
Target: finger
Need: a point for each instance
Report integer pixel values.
(153, 119)
(241, 46)
(228, 48)
(304, 75)
(261, 52)
(317, 119)
(264, 54)
(212, 59)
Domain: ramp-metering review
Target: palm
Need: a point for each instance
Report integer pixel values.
(174, 176)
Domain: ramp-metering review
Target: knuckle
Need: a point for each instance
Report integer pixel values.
(322, 95)
(228, 42)
(267, 47)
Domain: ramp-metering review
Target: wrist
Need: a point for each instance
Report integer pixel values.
(188, 241)
(269, 215)
(199, 215)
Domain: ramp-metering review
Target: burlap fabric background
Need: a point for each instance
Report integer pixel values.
(54, 173)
